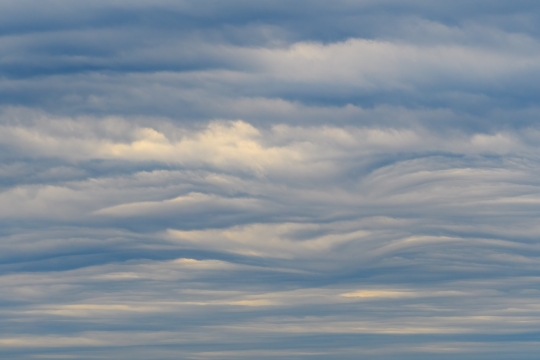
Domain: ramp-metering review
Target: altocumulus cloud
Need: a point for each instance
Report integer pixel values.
(270, 179)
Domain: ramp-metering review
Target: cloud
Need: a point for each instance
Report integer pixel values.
(251, 63)
(269, 180)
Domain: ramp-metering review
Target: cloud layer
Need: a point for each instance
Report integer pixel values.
(273, 180)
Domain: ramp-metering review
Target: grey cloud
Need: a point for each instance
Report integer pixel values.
(474, 65)
(271, 179)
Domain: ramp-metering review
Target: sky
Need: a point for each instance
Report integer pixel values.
(269, 179)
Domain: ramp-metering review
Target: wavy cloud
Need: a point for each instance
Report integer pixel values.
(269, 179)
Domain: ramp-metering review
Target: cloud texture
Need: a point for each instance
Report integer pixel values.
(270, 179)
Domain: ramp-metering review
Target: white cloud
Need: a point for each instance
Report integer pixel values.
(375, 64)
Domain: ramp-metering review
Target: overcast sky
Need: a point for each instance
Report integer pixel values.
(196, 179)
